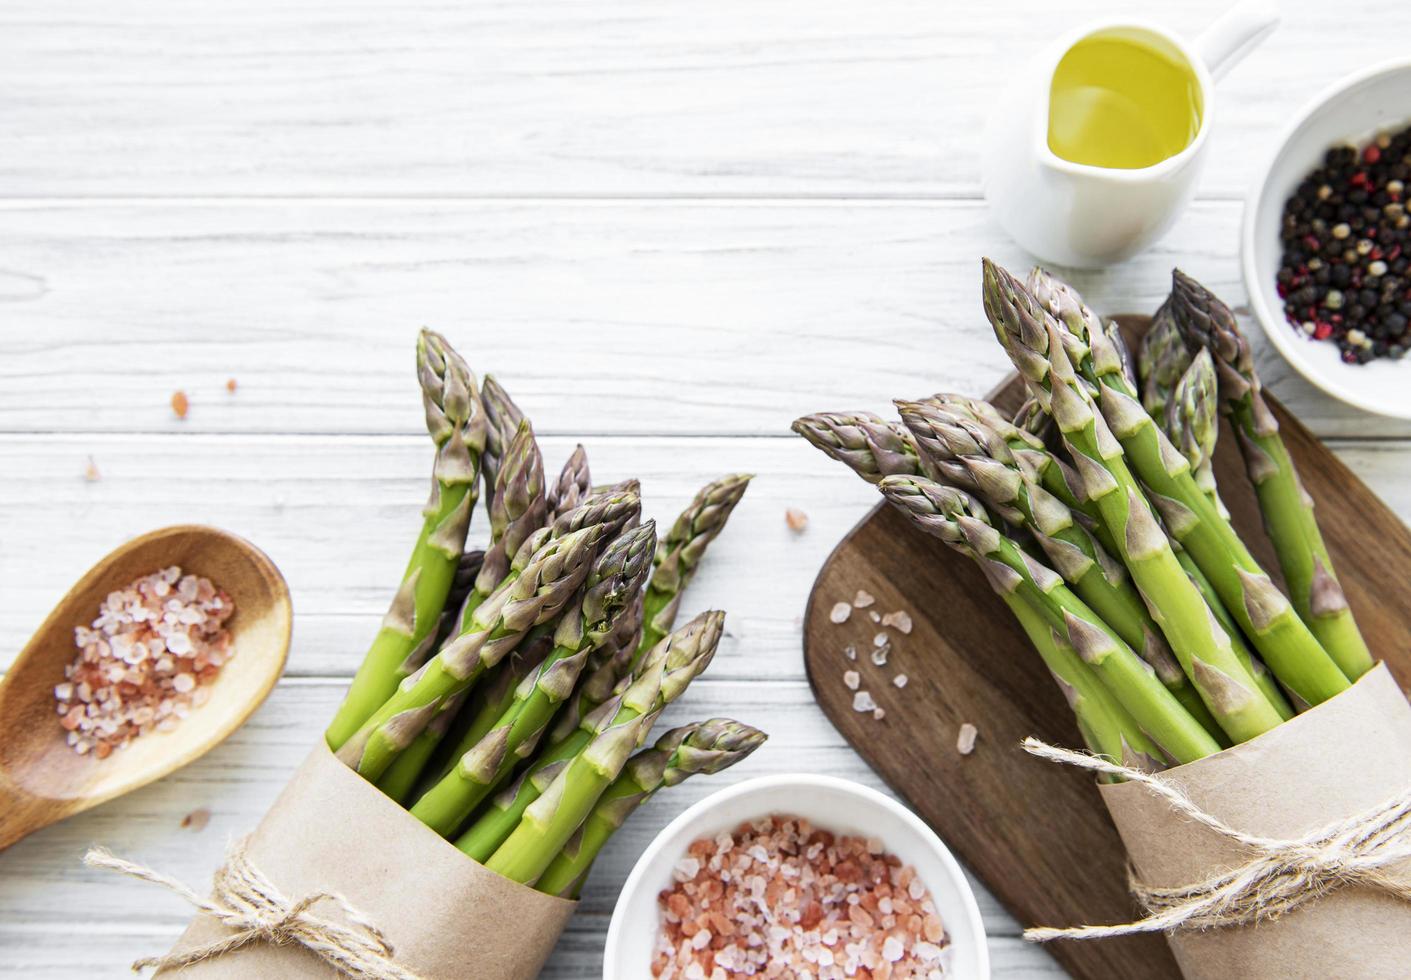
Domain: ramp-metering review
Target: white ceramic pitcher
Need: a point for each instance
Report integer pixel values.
(1074, 214)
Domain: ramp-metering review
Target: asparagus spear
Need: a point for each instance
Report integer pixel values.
(662, 676)
(608, 667)
(1035, 343)
(1190, 422)
(959, 520)
(398, 781)
(574, 484)
(702, 747)
(968, 454)
(1108, 729)
(1206, 322)
(536, 595)
(681, 550)
(1161, 360)
(873, 447)
(1262, 611)
(456, 421)
(518, 508)
(614, 581)
(503, 416)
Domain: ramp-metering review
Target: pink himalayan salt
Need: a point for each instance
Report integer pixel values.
(778, 897)
(146, 661)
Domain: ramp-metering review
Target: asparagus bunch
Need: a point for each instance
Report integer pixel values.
(509, 687)
(1094, 515)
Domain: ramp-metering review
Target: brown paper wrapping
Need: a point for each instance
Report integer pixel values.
(447, 917)
(1332, 762)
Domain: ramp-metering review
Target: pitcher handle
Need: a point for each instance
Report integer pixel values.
(1224, 43)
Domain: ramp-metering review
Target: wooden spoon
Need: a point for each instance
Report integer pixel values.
(43, 780)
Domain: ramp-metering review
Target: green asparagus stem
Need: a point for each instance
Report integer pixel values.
(680, 551)
(872, 446)
(551, 820)
(959, 520)
(1036, 345)
(608, 666)
(574, 484)
(968, 454)
(399, 780)
(1264, 614)
(1108, 729)
(518, 508)
(456, 420)
(1287, 508)
(616, 577)
(536, 595)
(663, 675)
(703, 747)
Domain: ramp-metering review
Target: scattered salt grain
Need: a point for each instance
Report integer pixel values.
(196, 820)
(145, 662)
(899, 680)
(898, 620)
(879, 655)
(230, 385)
(879, 640)
(90, 472)
(850, 652)
(862, 701)
(878, 714)
(874, 615)
(840, 612)
(965, 742)
(180, 404)
(809, 904)
(863, 599)
(852, 679)
(796, 519)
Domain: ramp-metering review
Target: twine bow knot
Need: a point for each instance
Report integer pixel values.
(1279, 877)
(246, 902)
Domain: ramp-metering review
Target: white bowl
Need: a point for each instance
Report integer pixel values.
(830, 803)
(1353, 110)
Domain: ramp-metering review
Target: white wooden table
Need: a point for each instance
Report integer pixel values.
(668, 227)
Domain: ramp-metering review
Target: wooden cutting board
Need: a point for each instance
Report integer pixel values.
(1035, 832)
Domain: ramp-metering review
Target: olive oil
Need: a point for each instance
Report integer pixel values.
(1118, 102)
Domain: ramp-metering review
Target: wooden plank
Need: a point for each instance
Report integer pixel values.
(648, 318)
(494, 98)
(1068, 866)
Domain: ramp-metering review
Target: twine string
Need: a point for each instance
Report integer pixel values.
(246, 902)
(1280, 876)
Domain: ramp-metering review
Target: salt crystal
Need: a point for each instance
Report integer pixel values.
(879, 640)
(851, 678)
(796, 519)
(196, 820)
(879, 655)
(862, 701)
(874, 616)
(687, 868)
(840, 612)
(965, 742)
(850, 652)
(898, 620)
(183, 683)
(892, 949)
(878, 714)
(899, 680)
(863, 599)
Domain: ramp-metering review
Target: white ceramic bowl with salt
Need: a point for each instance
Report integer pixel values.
(1352, 111)
(832, 804)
